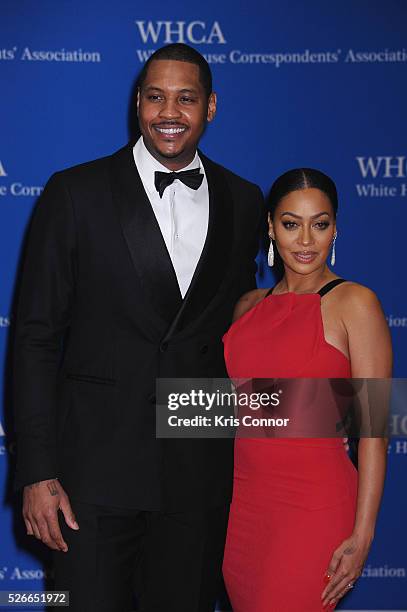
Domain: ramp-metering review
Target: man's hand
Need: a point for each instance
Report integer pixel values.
(41, 502)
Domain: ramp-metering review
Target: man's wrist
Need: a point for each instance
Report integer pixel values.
(35, 484)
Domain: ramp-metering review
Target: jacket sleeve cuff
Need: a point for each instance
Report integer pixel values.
(34, 463)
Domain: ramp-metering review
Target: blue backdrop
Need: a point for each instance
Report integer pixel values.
(312, 83)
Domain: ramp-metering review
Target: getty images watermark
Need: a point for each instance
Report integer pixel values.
(217, 401)
(281, 408)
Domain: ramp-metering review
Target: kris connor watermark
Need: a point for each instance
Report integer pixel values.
(281, 408)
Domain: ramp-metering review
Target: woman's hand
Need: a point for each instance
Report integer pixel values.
(345, 567)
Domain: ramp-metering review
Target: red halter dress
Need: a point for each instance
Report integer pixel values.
(294, 499)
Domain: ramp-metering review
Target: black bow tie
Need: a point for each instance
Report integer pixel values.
(190, 178)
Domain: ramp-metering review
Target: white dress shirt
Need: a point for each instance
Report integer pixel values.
(182, 213)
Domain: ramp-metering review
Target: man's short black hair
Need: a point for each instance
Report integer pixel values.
(181, 53)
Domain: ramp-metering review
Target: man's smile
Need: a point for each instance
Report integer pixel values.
(170, 131)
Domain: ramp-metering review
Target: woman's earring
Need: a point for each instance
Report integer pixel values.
(333, 256)
(270, 257)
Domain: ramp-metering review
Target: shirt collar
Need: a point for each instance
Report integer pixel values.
(147, 165)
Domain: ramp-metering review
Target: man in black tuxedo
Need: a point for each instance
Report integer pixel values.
(131, 273)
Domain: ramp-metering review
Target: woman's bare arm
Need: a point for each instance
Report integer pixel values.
(371, 357)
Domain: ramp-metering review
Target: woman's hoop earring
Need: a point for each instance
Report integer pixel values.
(270, 257)
(333, 255)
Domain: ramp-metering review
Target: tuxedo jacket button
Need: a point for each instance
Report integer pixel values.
(204, 349)
(163, 346)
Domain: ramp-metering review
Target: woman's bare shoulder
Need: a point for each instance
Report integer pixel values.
(357, 294)
(368, 333)
(248, 301)
(355, 301)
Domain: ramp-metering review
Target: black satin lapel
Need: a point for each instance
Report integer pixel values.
(143, 237)
(215, 256)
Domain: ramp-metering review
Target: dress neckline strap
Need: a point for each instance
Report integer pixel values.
(333, 283)
(269, 292)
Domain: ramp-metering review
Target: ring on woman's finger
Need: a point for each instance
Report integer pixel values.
(350, 585)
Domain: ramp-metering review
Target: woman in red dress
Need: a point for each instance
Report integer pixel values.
(302, 518)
